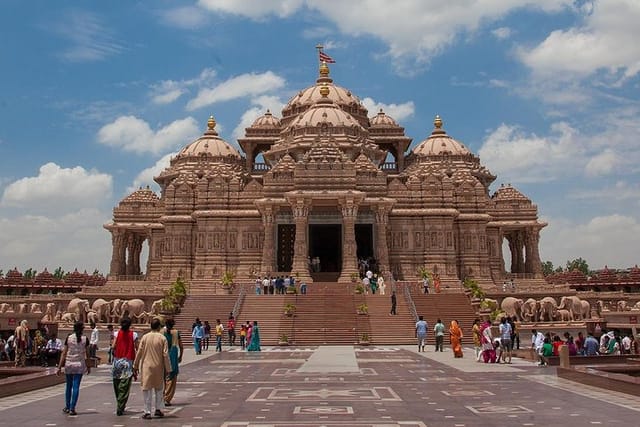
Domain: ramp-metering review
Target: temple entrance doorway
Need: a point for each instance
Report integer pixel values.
(286, 241)
(325, 245)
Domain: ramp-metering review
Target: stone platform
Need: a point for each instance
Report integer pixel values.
(340, 386)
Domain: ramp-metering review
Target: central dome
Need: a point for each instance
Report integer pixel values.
(342, 97)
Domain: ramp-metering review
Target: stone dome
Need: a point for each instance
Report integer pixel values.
(209, 144)
(267, 120)
(342, 97)
(439, 143)
(382, 120)
(142, 195)
(508, 193)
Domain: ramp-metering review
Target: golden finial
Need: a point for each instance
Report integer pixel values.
(211, 123)
(437, 122)
(324, 70)
(324, 91)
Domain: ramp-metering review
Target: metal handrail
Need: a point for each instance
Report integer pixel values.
(410, 303)
(239, 301)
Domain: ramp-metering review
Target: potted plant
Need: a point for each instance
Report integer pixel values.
(174, 297)
(291, 290)
(354, 277)
(363, 309)
(227, 281)
(289, 309)
(359, 289)
(364, 339)
(284, 340)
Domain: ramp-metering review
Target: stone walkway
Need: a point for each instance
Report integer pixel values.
(340, 386)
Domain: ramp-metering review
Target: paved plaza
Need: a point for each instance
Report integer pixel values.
(340, 386)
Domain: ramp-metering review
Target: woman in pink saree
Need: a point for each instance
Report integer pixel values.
(456, 338)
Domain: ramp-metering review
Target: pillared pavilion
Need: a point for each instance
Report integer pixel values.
(327, 182)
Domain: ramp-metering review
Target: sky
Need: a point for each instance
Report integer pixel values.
(95, 97)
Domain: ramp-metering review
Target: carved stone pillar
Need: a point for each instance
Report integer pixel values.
(349, 261)
(138, 241)
(267, 264)
(533, 264)
(520, 267)
(300, 265)
(118, 244)
(382, 249)
(131, 246)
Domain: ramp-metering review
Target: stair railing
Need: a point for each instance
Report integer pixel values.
(409, 300)
(239, 301)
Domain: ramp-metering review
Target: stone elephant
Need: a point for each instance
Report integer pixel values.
(116, 310)
(103, 309)
(35, 307)
(49, 312)
(145, 317)
(622, 305)
(636, 306)
(92, 316)
(548, 308)
(530, 310)
(573, 304)
(68, 318)
(585, 309)
(156, 306)
(6, 308)
(132, 308)
(22, 308)
(79, 307)
(563, 314)
(512, 307)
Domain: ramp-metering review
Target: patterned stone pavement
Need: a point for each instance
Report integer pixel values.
(375, 387)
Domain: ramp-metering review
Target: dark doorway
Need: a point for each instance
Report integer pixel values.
(286, 240)
(364, 241)
(325, 242)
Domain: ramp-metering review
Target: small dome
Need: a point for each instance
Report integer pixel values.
(382, 120)
(267, 120)
(209, 143)
(142, 195)
(440, 143)
(508, 193)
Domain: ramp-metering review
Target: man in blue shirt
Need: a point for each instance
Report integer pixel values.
(591, 345)
(421, 333)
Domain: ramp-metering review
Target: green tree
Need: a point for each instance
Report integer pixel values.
(547, 268)
(578, 264)
(58, 273)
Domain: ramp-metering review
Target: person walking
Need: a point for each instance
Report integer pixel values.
(219, 332)
(421, 333)
(477, 338)
(124, 353)
(254, 344)
(505, 340)
(93, 341)
(394, 303)
(152, 362)
(382, 285)
(455, 332)
(438, 330)
(198, 336)
(74, 358)
(231, 329)
(174, 342)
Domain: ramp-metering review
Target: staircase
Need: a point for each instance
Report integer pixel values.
(205, 307)
(327, 315)
(447, 307)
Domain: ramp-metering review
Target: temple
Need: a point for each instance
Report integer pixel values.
(326, 183)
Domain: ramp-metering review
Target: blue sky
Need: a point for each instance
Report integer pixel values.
(96, 96)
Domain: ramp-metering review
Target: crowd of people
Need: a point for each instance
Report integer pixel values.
(278, 285)
(36, 347)
(201, 334)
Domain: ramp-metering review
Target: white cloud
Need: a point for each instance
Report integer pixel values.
(167, 91)
(187, 17)
(518, 157)
(607, 42)
(254, 9)
(399, 112)
(58, 189)
(602, 240)
(251, 84)
(502, 33)
(90, 39)
(145, 177)
(260, 105)
(602, 164)
(70, 240)
(133, 134)
(620, 191)
(414, 30)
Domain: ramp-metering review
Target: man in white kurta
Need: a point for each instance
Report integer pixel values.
(152, 364)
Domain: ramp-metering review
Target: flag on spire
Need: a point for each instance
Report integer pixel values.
(326, 58)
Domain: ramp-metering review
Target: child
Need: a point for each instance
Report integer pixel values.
(243, 336)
